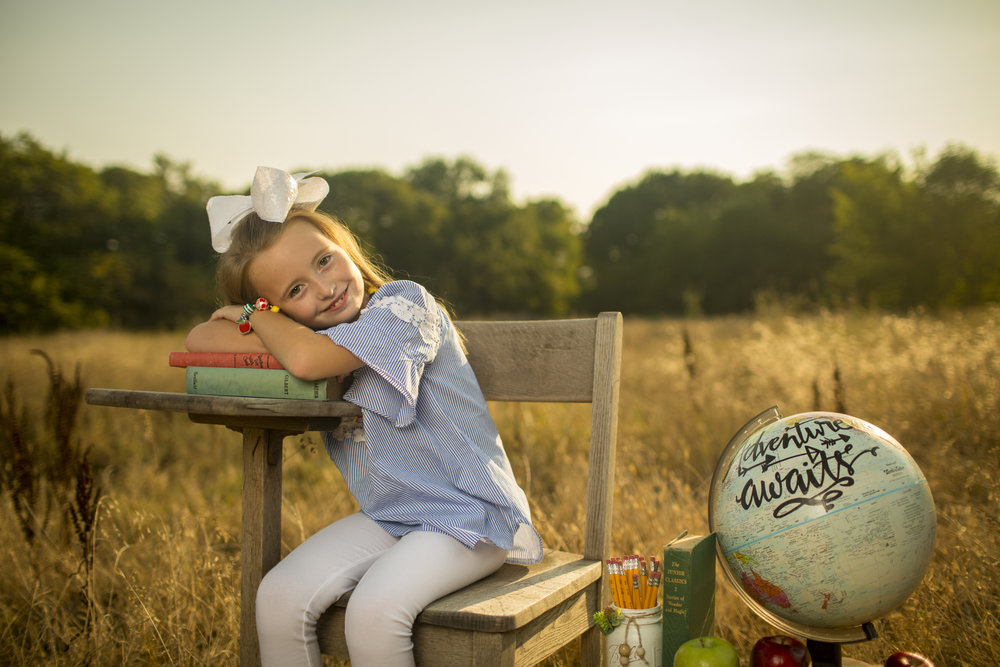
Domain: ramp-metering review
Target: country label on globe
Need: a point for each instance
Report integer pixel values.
(823, 519)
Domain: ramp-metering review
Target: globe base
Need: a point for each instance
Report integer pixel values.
(830, 654)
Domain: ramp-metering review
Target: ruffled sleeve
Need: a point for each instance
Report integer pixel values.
(396, 335)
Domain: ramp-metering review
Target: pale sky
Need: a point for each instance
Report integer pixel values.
(572, 99)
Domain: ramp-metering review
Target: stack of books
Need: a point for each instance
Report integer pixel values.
(253, 374)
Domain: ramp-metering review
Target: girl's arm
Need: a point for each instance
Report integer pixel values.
(219, 335)
(300, 350)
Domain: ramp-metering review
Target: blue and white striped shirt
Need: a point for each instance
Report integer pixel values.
(428, 456)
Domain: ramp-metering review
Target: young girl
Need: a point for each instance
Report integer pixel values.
(440, 507)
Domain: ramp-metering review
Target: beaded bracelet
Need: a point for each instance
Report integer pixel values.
(260, 304)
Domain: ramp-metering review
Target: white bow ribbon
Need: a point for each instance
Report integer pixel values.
(273, 194)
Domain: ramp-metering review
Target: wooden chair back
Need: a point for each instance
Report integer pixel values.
(522, 614)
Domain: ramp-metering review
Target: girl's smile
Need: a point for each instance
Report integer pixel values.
(309, 277)
(338, 303)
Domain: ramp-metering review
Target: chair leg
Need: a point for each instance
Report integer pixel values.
(493, 649)
(591, 648)
(260, 538)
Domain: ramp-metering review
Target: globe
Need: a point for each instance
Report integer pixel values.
(824, 523)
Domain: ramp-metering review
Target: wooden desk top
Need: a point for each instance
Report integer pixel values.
(233, 411)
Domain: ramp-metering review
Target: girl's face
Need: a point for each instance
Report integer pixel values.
(309, 277)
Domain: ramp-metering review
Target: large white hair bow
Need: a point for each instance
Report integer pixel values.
(273, 194)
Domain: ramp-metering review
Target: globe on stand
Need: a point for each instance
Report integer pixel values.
(824, 523)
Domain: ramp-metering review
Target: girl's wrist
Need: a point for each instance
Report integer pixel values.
(260, 305)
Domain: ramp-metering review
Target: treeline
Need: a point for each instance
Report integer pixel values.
(860, 231)
(81, 247)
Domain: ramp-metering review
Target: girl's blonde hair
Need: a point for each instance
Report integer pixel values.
(253, 235)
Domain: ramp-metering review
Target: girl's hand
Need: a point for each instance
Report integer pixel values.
(231, 313)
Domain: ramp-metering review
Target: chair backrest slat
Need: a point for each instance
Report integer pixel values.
(550, 360)
(603, 435)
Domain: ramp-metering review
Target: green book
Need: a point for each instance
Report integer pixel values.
(688, 591)
(259, 383)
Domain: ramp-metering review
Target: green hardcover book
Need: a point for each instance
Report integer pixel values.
(259, 383)
(688, 591)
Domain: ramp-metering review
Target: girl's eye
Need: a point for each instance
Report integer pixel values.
(324, 260)
(295, 290)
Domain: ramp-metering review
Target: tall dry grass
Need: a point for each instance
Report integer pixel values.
(163, 584)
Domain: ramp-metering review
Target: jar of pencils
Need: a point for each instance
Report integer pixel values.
(634, 623)
(638, 638)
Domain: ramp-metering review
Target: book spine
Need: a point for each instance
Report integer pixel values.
(688, 592)
(262, 360)
(253, 382)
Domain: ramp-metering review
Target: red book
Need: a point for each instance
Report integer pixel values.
(262, 360)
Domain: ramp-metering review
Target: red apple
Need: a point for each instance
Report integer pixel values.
(779, 651)
(706, 652)
(907, 659)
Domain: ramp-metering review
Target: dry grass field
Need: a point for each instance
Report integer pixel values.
(119, 529)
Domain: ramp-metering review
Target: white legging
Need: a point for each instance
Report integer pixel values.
(393, 580)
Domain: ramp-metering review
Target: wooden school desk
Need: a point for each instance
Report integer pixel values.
(264, 423)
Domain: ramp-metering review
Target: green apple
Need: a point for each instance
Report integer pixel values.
(706, 652)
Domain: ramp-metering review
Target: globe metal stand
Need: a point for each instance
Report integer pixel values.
(828, 654)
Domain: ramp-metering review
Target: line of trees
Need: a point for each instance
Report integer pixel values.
(81, 247)
(864, 231)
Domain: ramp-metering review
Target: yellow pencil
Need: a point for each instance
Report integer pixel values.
(613, 581)
(654, 586)
(621, 585)
(644, 575)
(616, 579)
(637, 581)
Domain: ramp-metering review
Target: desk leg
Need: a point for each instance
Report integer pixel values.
(260, 539)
